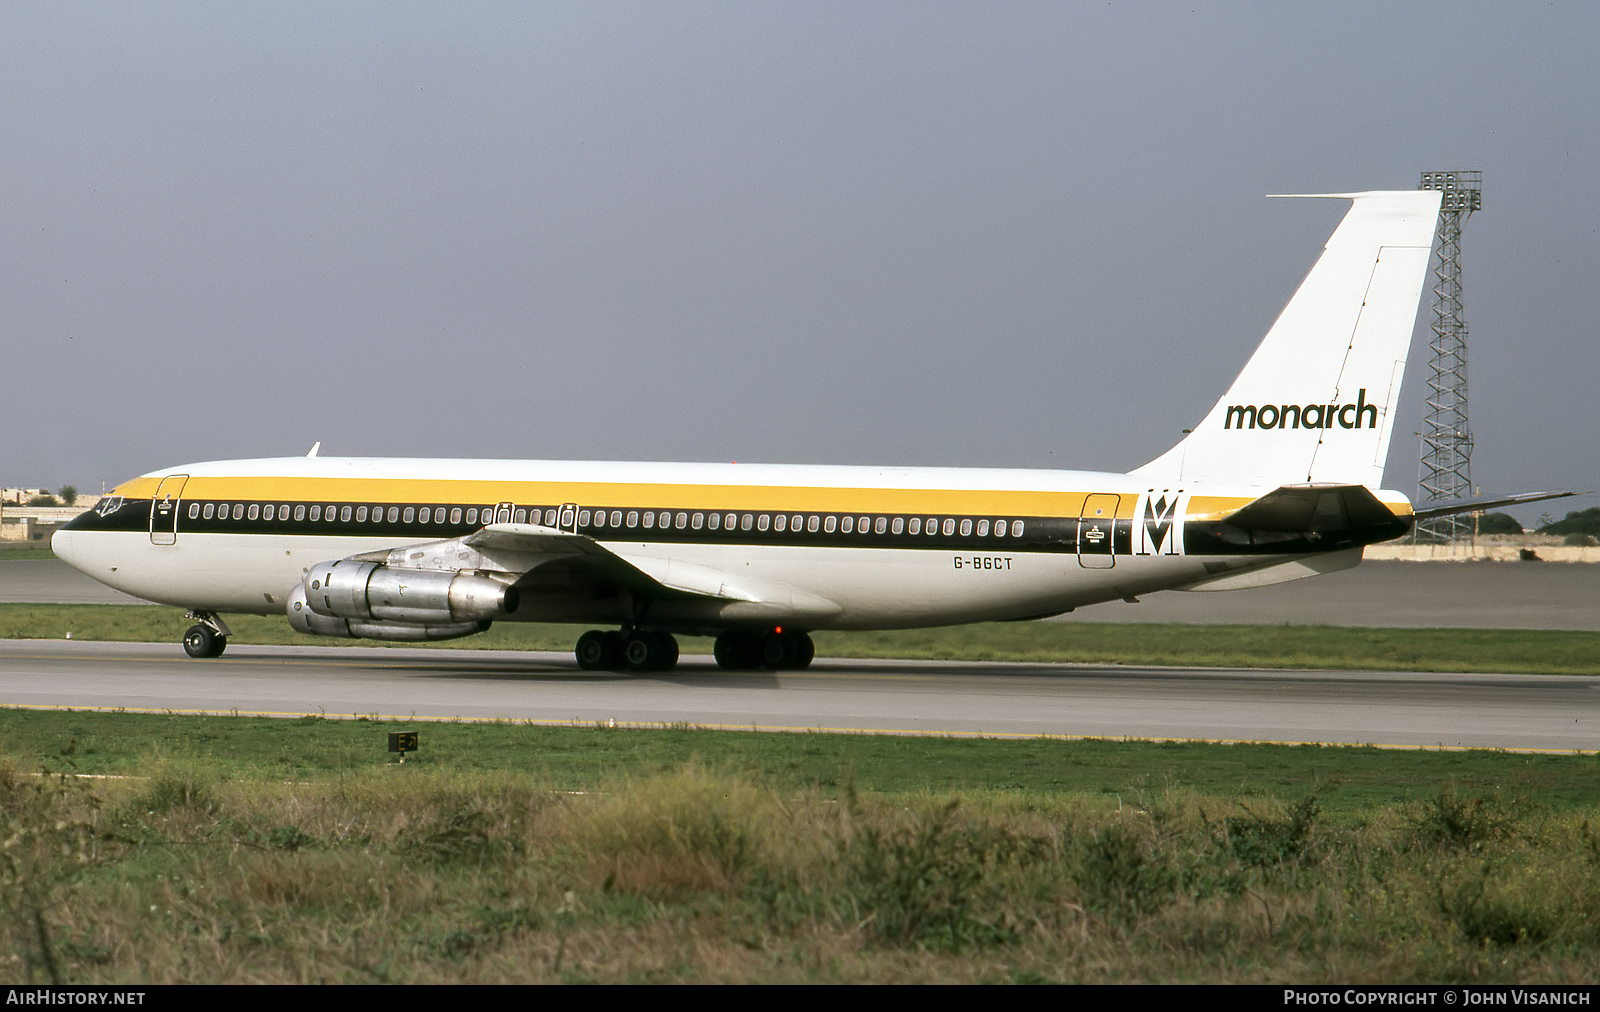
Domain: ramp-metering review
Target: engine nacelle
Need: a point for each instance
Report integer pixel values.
(305, 620)
(368, 590)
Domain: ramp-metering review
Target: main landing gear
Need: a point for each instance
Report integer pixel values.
(209, 638)
(735, 650)
(776, 650)
(638, 650)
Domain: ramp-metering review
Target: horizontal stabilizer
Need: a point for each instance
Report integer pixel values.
(1301, 508)
(1454, 506)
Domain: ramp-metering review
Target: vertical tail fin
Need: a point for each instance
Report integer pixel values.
(1316, 401)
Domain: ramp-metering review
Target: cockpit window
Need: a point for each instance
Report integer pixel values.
(109, 505)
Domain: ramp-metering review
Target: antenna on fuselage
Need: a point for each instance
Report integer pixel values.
(314, 448)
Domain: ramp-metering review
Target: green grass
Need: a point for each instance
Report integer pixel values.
(1541, 652)
(25, 550)
(1348, 779)
(245, 850)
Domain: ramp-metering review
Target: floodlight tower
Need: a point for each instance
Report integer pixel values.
(1446, 471)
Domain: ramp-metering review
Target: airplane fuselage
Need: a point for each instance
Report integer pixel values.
(814, 547)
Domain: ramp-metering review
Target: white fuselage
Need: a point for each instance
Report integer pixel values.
(987, 544)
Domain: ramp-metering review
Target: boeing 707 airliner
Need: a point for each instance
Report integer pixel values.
(1280, 480)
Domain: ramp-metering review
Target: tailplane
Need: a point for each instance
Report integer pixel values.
(1316, 401)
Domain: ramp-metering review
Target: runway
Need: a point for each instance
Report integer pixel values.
(1523, 712)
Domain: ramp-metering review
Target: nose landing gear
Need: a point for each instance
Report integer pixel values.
(209, 638)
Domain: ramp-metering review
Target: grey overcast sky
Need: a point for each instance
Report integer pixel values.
(1003, 234)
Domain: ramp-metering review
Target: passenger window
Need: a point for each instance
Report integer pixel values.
(1016, 528)
(880, 525)
(730, 521)
(828, 524)
(697, 521)
(649, 520)
(255, 510)
(211, 509)
(583, 518)
(316, 513)
(780, 522)
(270, 513)
(683, 520)
(966, 527)
(299, 511)
(763, 522)
(394, 513)
(795, 522)
(714, 521)
(813, 522)
(949, 526)
(328, 513)
(898, 525)
(455, 515)
(916, 525)
(847, 525)
(983, 528)
(599, 518)
(521, 515)
(194, 510)
(409, 515)
(633, 518)
(933, 526)
(746, 521)
(472, 515)
(361, 514)
(616, 518)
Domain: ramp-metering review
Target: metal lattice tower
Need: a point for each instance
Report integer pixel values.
(1446, 471)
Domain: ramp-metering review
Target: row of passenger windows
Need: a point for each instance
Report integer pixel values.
(810, 523)
(360, 514)
(600, 519)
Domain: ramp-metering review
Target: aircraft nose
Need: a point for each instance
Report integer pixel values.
(71, 547)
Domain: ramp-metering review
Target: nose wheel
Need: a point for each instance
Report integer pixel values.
(200, 642)
(208, 638)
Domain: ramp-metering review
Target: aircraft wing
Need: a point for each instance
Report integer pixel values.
(545, 558)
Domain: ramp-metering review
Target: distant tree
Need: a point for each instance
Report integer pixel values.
(68, 494)
(1577, 522)
(1498, 523)
(43, 500)
(1580, 540)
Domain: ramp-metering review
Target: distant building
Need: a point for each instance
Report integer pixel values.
(36, 523)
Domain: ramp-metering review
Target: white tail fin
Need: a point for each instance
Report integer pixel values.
(1315, 403)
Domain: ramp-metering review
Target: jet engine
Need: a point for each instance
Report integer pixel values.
(303, 619)
(366, 599)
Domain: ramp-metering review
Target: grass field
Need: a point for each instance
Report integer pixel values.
(1542, 652)
(249, 850)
